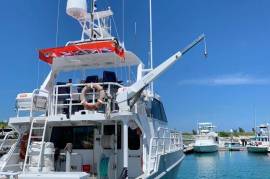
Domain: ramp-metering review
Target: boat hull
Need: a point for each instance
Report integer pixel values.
(257, 149)
(205, 148)
(168, 165)
(234, 148)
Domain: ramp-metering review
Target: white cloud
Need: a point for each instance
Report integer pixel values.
(227, 80)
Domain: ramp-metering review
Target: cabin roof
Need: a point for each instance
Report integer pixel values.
(92, 61)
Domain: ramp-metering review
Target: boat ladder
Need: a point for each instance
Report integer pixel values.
(7, 150)
(5, 142)
(36, 134)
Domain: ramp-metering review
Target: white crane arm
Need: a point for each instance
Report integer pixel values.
(125, 94)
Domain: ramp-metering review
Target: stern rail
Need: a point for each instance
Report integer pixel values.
(65, 99)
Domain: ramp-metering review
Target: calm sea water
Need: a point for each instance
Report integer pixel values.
(228, 165)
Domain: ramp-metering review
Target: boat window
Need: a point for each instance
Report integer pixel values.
(164, 117)
(109, 130)
(134, 139)
(157, 110)
(81, 137)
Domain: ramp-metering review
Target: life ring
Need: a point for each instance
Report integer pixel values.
(100, 101)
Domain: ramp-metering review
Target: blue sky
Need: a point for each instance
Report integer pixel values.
(225, 88)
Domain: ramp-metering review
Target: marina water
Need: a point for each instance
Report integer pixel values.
(225, 165)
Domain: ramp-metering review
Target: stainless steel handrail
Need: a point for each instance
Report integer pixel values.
(73, 94)
(158, 146)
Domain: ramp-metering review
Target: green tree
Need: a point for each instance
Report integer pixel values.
(224, 134)
(194, 132)
(241, 130)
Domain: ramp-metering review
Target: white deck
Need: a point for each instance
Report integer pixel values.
(55, 175)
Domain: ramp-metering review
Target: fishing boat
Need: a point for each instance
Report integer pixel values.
(260, 142)
(233, 144)
(97, 126)
(207, 139)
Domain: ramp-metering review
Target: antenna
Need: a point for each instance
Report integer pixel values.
(95, 24)
(123, 22)
(151, 43)
(92, 17)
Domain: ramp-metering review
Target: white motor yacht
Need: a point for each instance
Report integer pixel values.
(260, 142)
(97, 126)
(207, 139)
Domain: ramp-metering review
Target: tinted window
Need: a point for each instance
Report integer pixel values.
(81, 137)
(157, 111)
(133, 139)
(109, 130)
(164, 118)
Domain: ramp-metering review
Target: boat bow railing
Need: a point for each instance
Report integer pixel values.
(167, 141)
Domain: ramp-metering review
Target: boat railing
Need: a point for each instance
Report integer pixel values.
(8, 140)
(5, 161)
(167, 141)
(65, 99)
(35, 103)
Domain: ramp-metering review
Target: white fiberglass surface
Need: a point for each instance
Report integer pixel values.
(94, 61)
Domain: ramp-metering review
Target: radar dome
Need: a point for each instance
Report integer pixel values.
(77, 8)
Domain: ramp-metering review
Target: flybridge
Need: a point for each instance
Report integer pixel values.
(97, 47)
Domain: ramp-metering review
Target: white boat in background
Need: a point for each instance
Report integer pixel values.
(206, 139)
(4, 131)
(260, 143)
(233, 146)
(96, 126)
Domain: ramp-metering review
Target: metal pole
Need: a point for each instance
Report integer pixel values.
(68, 161)
(115, 147)
(125, 145)
(151, 42)
(92, 18)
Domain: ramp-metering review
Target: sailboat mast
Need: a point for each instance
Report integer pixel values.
(255, 122)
